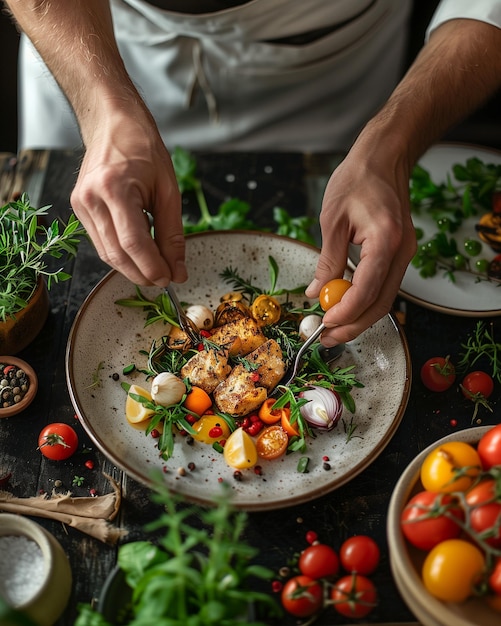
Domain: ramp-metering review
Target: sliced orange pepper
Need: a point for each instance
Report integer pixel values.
(290, 429)
(268, 416)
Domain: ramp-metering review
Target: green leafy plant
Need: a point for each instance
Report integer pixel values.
(198, 573)
(467, 192)
(233, 213)
(25, 247)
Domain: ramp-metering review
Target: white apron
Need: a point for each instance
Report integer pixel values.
(224, 81)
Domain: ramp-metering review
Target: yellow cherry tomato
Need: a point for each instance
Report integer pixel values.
(265, 310)
(211, 428)
(452, 569)
(451, 466)
(240, 451)
(332, 292)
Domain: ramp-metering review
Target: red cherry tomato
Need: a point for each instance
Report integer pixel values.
(495, 577)
(354, 596)
(58, 441)
(477, 384)
(489, 448)
(485, 511)
(319, 561)
(359, 554)
(425, 520)
(438, 374)
(302, 596)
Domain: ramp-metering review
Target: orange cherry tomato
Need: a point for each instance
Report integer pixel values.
(332, 292)
(272, 442)
(198, 401)
(267, 415)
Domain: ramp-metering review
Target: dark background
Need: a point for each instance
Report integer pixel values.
(483, 127)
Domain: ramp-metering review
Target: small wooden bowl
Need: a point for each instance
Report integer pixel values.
(32, 390)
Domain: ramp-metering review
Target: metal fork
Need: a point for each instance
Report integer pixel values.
(331, 355)
(184, 321)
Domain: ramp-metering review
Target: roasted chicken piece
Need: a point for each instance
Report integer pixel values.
(241, 393)
(238, 395)
(270, 361)
(207, 368)
(240, 336)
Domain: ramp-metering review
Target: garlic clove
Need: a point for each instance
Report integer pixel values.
(201, 316)
(167, 389)
(308, 326)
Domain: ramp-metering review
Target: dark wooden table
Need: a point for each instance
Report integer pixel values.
(360, 506)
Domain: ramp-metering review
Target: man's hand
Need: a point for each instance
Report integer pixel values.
(127, 171)
(369, 208)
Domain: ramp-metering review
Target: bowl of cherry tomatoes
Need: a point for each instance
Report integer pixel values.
(444, 530)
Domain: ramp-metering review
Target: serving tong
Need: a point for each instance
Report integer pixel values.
(185, 323)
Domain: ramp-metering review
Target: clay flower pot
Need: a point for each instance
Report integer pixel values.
(19, 331)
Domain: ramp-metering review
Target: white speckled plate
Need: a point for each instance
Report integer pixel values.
(111, 335)
(465, 297)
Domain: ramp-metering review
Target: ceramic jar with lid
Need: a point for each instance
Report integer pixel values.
(35, 574)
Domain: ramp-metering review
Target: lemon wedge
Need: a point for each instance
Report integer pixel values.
(240, 450)
(135, 411)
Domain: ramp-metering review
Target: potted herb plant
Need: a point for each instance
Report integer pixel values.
(198, 571)
(26, 246)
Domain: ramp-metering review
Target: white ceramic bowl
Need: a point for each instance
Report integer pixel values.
(41, 591)
(406, 561)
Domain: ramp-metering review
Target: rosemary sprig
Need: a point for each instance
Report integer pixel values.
(159, 309)
(481, 344)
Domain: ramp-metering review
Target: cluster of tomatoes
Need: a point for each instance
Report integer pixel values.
(321, 581)
(439, 374)
(456, 519)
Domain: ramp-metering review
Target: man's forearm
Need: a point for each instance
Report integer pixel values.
(456, 72)
(76, 40)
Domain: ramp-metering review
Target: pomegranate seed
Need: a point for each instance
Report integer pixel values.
(276, 586)
(325, 458)
(200, 347)
(205, 333)
(255, 418)
(258, 470)
(255, 428)
(89, 464)
(155, 433)
(93, 492)
(191, 419)
(311, 536)
(246, 422)
(222, 442)
(255, 377)
(453, 422)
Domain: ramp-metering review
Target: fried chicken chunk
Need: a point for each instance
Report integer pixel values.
(207, 368)
(241, 393)
(239, 336)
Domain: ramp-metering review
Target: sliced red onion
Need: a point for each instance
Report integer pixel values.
(323, 409)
